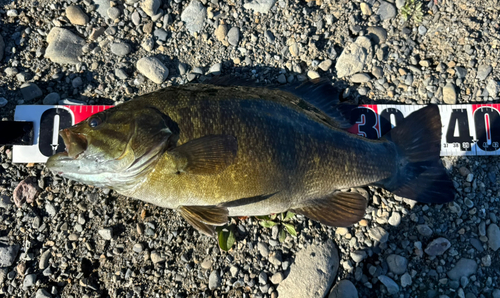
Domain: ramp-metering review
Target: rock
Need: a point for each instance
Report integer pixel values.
(2, 47)
(493, 87)
(377, 34)
(424, 230)
(153, 69)
(215, 69)
(495, 294)
(12, 13)
(5, 200)
(44, 260)
(277, 278)
(214, 280)
(281, 79)
(397, 264)
(102, 7)
(206, 264)
(354, 56)
(400, 3)
(395, 219)
(312, 272)
(325, 65)
(261, 6)
(64, 46)
(26, 191)
(194, 16)
(114, 13)
(378, 234)
(50, 208)
(262, 278)
(437, 247)
(493, 237)
(106, 233)
(294, 49)
(148, 43)
(150, 7)
(391, 285)
(358, 256)
(160, 34)
(449, 94)
(483, 71)
(42, 293)
(51, 98)
(344, 289)
(8, 255)
(76, 15)
(312, 74)
(29, 281)
(120, 48)
(221, 32)
(360, 78)
(121, 74)
(233, 36)
(156, 258)
(386, 11)
(365, 9)
(263, 249)
(464, 267)
(422, 30)
(406, 280)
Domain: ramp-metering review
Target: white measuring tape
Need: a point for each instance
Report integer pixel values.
(469, 129)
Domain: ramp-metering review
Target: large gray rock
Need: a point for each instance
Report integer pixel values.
(344, 289)
(494, 237)
(262, 6)
(150, 7)
(386, 11)
(312, 272)
(397, 264)
(354, 57)
(102, 7)
(64, 46)
(153, 69)
(391, 285)
(194, 16)
(437, 247)
(464, 267)
(8, 255)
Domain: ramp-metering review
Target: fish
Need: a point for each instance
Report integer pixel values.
(217, 150)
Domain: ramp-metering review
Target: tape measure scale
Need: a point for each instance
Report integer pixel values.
(472, 129)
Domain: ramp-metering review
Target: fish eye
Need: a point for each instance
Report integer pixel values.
(94, 121)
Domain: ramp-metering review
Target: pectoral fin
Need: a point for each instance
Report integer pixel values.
(341, 209)
(205, 218)
(207, 155)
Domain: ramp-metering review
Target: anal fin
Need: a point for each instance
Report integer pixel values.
(341, 209)
(205, 218)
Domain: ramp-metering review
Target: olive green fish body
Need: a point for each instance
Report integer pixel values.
(216, 151)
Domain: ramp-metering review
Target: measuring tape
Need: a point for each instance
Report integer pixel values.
(467, 129)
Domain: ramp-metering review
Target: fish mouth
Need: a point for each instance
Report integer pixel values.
(75, 143)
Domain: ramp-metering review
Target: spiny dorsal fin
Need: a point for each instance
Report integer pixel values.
(204, 218)
(341, 209)
(207, 155)
(317, 94)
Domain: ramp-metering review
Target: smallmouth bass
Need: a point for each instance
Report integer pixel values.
(216, 151)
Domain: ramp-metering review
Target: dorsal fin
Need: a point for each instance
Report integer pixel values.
(317, 96)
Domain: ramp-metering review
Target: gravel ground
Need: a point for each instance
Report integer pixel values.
(62, 239)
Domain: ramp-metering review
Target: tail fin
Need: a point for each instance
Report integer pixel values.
(421, 176)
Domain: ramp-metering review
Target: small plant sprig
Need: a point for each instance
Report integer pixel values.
(268, 221)
(412, 10)
(226, 237)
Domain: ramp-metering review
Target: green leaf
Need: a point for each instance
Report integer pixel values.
(289, 215)
(273, 216)
(282, 235)
(290, 229)
(226, 238)
(265, 217)
(267, 223)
